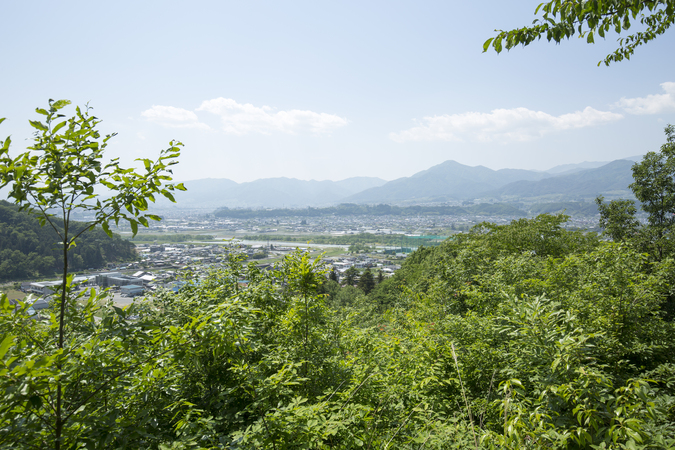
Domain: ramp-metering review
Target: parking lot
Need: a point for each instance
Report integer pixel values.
(119, 300)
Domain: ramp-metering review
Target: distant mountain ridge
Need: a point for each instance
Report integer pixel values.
(448, 182)
(452, 181)
(565, 169)
(569, 168)
(444, 182)
(611, 180)
(267, 192)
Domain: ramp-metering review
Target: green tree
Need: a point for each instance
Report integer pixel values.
(351, 276)
(359, 248)
(654, 187)
(329, 289)
(380, 276)
(562, 19)
(304, 277)
(617, 218)
(347, 296)
(544, 235)
(366, 281)
(60, 174)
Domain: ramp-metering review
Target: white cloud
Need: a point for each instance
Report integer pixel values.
(501, 125)
(241, 119)
(651, 104)
(172, 117)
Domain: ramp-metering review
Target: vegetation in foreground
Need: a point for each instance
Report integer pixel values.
(518, 336)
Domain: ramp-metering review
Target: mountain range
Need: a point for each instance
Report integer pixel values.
(448, 182)
(611, 180)
(268, 192)
(445, 182)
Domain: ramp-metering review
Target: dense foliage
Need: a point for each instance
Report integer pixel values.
(517, 336)
(29, 250)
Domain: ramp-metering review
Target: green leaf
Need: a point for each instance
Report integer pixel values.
(498, 45)
(60, 104)
(6, 144)
(106, 228)
(59, 126)
(5, 344)
(168, 195)
(37, 125)
(35, 401)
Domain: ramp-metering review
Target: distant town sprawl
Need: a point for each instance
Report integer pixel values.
(196, 223)
(170, 267)
(194, 243)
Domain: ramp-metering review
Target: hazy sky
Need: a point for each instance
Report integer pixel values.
(330, 90)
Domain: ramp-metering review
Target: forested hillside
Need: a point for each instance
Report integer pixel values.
(29, 250)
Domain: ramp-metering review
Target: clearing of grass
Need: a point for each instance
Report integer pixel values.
(12, 293)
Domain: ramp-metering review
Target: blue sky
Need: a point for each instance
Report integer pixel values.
(330, 90)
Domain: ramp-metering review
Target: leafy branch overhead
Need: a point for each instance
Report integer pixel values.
(562, 19)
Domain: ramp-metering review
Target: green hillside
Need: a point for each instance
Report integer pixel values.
(29, 250)
(570, 208)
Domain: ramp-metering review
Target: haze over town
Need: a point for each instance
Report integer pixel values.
(330, 91)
